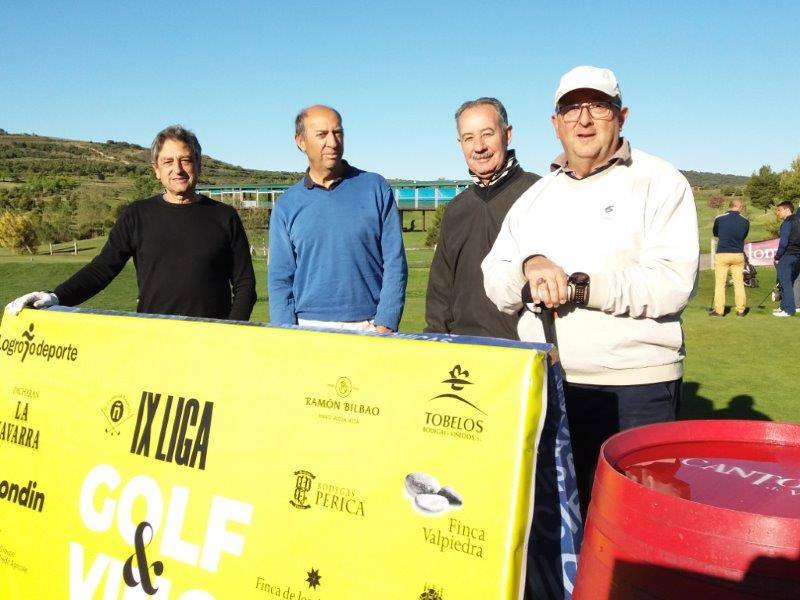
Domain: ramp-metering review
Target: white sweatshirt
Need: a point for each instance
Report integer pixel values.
(633, 229)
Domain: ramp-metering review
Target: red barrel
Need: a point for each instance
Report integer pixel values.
(695, 509)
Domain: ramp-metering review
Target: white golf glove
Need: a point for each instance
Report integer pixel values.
(34, 299)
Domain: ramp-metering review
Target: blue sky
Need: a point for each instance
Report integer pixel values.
(711, 86)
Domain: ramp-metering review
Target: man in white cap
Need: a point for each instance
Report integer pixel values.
(603, 255)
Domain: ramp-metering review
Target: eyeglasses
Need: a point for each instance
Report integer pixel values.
(602, 111)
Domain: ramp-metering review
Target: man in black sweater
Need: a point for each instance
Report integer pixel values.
(730, 229)
(191, 253)
(456, 302)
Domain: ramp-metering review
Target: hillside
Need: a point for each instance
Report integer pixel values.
(22, 154)
(701, 179)
(72, 189)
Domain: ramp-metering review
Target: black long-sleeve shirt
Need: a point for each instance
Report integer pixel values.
(191, 260)
(456, 301)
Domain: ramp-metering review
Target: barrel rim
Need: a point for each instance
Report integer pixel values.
(709, 430)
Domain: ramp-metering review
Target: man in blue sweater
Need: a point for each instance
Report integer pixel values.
(730, 229)
(336, 256)
(787, 257)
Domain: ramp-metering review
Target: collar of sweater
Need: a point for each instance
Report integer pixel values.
(487, 193)
(508, 166)
(310, 184)
(622, 156)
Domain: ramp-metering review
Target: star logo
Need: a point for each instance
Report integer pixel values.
(313, 578)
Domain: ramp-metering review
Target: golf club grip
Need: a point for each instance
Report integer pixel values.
(549, 326)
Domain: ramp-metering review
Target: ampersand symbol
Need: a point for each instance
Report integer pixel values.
(141, 562)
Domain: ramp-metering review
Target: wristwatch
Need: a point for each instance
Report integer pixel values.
(579, 284)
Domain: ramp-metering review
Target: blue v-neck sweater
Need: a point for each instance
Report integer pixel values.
(337, 254)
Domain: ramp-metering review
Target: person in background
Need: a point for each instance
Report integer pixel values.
(455, 302)
(787, 258)
(730, 229)
(191, 253)
(336, 256)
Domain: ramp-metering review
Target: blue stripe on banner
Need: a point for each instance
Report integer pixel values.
(557, 530)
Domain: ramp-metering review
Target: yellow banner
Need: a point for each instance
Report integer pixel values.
(188, 459)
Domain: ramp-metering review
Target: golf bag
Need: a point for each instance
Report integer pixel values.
(749, 273)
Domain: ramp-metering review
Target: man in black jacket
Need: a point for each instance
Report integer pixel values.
(456, 302)
(730, 229)
(787, 257)
(191, 253)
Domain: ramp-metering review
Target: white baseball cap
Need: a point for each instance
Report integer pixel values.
(585, 77)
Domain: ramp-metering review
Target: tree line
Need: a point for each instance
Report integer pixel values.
(766, 188)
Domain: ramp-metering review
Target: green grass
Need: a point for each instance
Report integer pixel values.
(735, 368)
(62, 253)
(740, 368)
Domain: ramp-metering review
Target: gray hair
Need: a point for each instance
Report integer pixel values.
(488, 101)
(300, 119)
(178, 133)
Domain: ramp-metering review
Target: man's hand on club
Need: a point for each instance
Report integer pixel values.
(34, 299)
(548, 281)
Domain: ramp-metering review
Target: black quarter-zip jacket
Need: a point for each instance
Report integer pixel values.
(456, 301)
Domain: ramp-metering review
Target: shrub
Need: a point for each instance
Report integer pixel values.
(18, 233)
(763, 187)
(433, 231)
(730, 190)
(93, 217)
(145, 186)
(773, 226)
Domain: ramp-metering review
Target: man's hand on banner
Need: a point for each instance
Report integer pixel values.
(34, 299)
